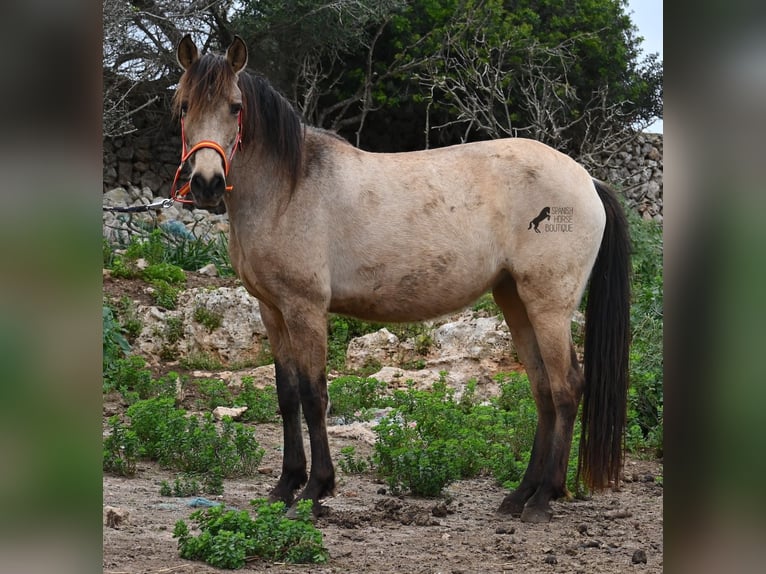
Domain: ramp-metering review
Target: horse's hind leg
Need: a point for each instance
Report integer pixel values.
(525, 343)
(542, 337)
(552, 326)
(294, 458)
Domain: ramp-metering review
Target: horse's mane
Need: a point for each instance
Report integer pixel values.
(267, 117)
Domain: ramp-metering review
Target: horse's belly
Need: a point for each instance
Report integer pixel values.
(418, 294)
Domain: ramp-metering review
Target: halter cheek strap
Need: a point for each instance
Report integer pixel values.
(180, 194)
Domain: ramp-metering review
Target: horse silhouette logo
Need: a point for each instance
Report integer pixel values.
(544, 214)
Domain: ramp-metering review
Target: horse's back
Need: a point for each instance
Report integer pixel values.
(416, 235)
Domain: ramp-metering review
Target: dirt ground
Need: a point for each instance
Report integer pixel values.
(369, 531)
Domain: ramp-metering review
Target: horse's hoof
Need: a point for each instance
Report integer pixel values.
(317, 510)
(511, 505)
(536, 515)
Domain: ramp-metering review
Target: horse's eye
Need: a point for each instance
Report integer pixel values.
(184, 108)
(236, 108)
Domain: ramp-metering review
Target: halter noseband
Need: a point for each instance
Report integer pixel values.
(179, 194)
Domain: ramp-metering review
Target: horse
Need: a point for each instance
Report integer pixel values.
(318, 226)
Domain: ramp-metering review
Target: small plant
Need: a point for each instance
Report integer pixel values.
(486, 304)
(189, 443)
(229, 538)
(121, 449)
(165, 295)
(129, 320)
(174, 330)
(352, 396)
(202, 361)
(167, 272)
(262, 404)
(115, 345)
(215, 393)
(351, 463)
(207, 318)
(185, 485)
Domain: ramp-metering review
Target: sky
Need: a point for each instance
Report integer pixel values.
(647, 16)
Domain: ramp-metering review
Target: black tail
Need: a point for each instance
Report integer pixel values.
(607, 340)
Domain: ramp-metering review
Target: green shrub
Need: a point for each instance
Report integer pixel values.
(207, 318)
(351, 463)
(202, 361)
(262, 404)
(228, 537)
(166, 272)
(351, 397)
(183, 486)
(645, 398)
(165, 295)
(121, 449)
(191, 444)
(215, 393)
(431, 439)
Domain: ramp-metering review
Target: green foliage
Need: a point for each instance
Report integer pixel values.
(121, 449)
(115, 345)
(191, 444)
(165, 295)
(202, 361)
(229, 537)
(351, 463)
(215, 393)
(185, 485)
(210, 319)
(486, 304)
(168, 254)
(262, 404)
(645, 396)
(431, 439)
(351, 397)
(128, 376)
(167, 272)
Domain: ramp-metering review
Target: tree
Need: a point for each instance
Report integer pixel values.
(566, 72)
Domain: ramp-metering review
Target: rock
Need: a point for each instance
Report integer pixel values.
(381, 346)
(472, 337)
(117, 196)
(233, 412)
(639, 557)
(210, 270)
(551, 559)
(238, 339)
(115, 516)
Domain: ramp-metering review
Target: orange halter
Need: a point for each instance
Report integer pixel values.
(179, 194)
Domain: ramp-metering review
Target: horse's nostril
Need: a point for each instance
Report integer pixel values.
(203, 187)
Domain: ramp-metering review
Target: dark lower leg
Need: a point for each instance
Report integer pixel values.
(314, 401)
(514, 502)
(553, 484)
(294, 458)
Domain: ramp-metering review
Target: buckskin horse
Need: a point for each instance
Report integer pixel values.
(318, 226)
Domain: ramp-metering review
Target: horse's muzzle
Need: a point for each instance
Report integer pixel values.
(207, 192)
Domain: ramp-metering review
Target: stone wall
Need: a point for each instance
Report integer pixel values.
(637, 173)
(142, 161)
(151, 162)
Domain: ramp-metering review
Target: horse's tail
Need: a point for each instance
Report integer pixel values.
(530, 225)
(607, 339)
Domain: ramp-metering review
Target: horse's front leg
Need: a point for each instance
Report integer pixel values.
(307, 327)
(294, 458)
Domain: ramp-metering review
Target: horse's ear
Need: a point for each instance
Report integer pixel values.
(187, 53)
(236, 54)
